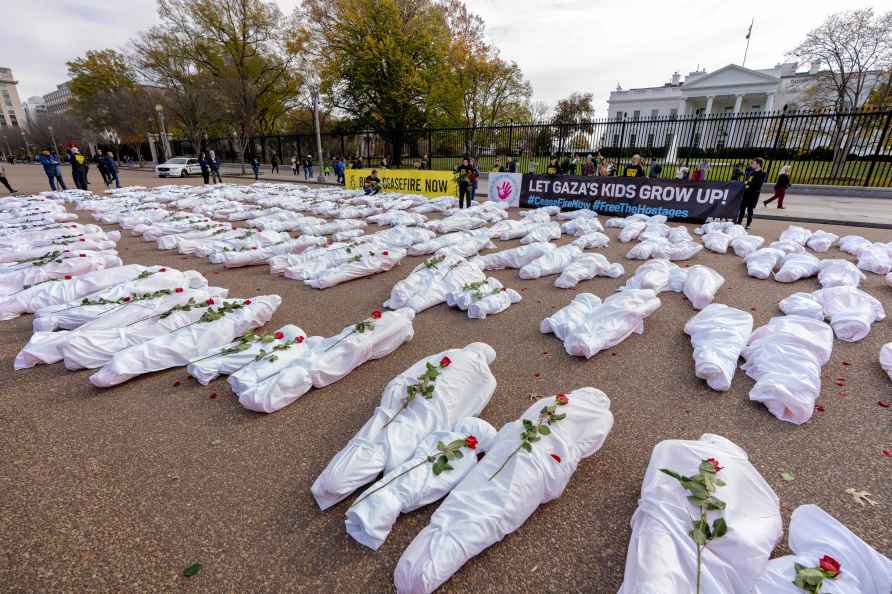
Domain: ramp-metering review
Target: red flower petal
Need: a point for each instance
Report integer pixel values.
(884, 404)
(246, 302)
(556, 457)
(376, 314)
(162, 270)
(562, 399)
(842, 394)
(67, 277)
(279, 335)
(210, 301)
(385, 253)
(887, 453)
(445, 362)
(213, 396)
(83, 255)
(471, 442)
(82, 239)
(846, 363)
(535, 375)
(299, 339)
(126, 299)
(752, 309)
(178, 290)
(176, 383)
(819, 407)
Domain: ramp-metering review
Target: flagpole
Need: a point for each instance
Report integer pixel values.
(748, 33)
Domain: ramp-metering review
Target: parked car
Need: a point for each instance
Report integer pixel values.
(178, 167)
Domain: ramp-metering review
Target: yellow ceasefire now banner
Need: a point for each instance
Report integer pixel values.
(408, 181)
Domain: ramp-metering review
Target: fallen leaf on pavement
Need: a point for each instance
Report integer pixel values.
(862, 497)
(787, 476)
(192, 569)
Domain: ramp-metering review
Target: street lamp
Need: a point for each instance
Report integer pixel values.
(53, 138)
(165, 141)
(314, 85)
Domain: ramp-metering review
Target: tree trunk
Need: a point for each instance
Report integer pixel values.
(844, 134)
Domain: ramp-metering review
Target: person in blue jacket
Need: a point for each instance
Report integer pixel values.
(111, 169)
(51, 166)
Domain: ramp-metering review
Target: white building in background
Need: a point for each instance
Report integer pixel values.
(34, 107)
(59, 100)
(11, 112)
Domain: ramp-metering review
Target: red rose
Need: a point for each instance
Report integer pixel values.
(385, 253)
(471, 442)
(176, 383)
(162, 270)
(556, 457)
(279, 335)
(562, 399)
(376, 314)
(67, 277)
(819, 407)
(213, 396)
(247, 302)
(83, 255)
(210, 301)
(830, 565)
(253, 247)
(715, 464)
(82, 239)
(178, 290)
(884, 404)
(445, 362)
(126, 299)
(299, 339)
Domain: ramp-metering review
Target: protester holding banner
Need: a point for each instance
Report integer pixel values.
(553, 168)
(497, 168)
(752, 186)
(372, 184)
(511, 166)
(634, 169)
(462, 174)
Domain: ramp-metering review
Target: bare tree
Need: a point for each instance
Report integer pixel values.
(854, 46)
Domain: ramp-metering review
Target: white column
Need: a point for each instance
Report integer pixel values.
(709, 100)
(738, 104)
(769, 102)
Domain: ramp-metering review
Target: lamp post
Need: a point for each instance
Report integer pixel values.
(53, 138)
(165, 142)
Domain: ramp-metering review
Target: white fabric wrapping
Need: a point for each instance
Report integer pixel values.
(511, 229)
(379, 261)
(853, 244)
(576, 214)
(610, 323)
(796, 267)
(585, 267)
(91, 348)
(432, 245)
(392, 434)
(717, 242)
(654, 274)
(788, 247)
(679, 235)
(745, 245)
(463, 297)
(370, 519)
(838, 273)
(762, 262)
(785, 358)
(718, 334)
(631, 231)
(513, 258)
(850, 310)
(802, 304)
(814, 533)
(14, 280)
(253, 257)
(480, 512)
(542, 232)
(267, 386)
(475, 241)
(698, 283)
(571, 315)
(650, 248)
(875, 258)
(430, 282)
(63, 291)
(180, 347)
(821, 241)
(493, 303)
(212, 365)
(550, 263)
(592, 240)
(662, 557)
(582, 226)
(798, 234)
(886, 358)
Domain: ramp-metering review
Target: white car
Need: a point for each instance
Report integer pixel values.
(178, 167)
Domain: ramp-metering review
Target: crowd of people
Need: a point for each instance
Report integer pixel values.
(52, 163)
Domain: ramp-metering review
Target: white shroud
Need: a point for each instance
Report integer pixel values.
(215, 364)
(480, 512)
(389, 437)
(181, 346)
(662, 557)
(718, 334)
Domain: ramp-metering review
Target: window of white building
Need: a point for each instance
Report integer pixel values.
(636, 115)
(654, 113)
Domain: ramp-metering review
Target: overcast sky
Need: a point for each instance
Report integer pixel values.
(561, 45)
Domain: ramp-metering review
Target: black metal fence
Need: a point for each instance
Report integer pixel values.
(853, 148)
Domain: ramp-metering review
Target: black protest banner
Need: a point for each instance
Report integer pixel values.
(623, 196)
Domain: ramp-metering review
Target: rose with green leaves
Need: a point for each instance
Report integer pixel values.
(533, 432)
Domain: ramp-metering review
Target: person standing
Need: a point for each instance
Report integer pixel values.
(205, 168)
(589, 168)
(752, 185)
(474, 178)
(255, 167)
(294, 165)
(498, 168)
(100, 165)
(634, 168)
(462, 174)
(696, 174)
(215, 169)
(308, 167)
(3, 179)
(780, 188)
(511, 166)
(704, 169)
(274, 164)
(51, 168)
(552, 168)
(737, 172)
(655, 170)
(111, 169)
(78, 168)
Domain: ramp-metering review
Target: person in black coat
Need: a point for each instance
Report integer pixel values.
(752, 186)
(780, 188)
(463, 177)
